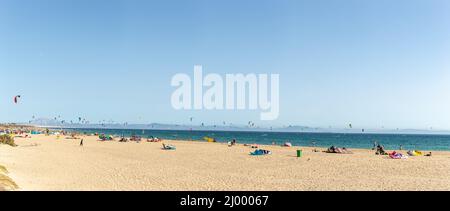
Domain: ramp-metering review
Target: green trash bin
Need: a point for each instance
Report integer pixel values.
(299, 153)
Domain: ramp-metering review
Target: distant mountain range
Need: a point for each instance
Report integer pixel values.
(51, 123)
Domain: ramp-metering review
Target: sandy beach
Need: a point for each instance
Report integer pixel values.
(47, 163)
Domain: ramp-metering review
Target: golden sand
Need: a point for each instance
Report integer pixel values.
(45, 163)
(6, 183)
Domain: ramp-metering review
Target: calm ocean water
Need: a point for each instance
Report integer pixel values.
(390, 141)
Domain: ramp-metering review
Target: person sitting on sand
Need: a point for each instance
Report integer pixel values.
(332, 149)
(380, 150)
(232, 143)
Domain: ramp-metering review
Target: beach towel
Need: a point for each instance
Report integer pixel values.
(396, 155)
(414, 153)
(261, 152)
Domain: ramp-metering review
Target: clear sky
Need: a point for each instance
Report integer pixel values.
(373, 63)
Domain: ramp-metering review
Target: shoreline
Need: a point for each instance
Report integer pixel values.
(419, 133)
(194, 165)
(278, 142)
(316, 139)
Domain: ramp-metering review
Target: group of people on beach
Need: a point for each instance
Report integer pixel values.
(381, 151)
(378, 148)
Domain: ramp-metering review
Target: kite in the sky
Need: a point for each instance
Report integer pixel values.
(16, 99)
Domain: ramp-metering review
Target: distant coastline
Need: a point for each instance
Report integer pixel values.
(294, 129)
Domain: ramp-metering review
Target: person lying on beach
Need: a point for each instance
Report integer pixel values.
(346, 151)
(153, 140)
(254, 146)
(232, 143)
(338, 150)
(332, 149)
(428, 155)
(168, 147)
(287, 144)
(135, 138)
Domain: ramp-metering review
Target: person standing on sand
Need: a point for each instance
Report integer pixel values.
(81, 143)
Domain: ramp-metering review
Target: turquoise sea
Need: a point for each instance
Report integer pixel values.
(349, 140)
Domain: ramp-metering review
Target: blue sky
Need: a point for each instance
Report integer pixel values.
(374, 63)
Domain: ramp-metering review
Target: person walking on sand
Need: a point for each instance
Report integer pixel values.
(81, 142)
